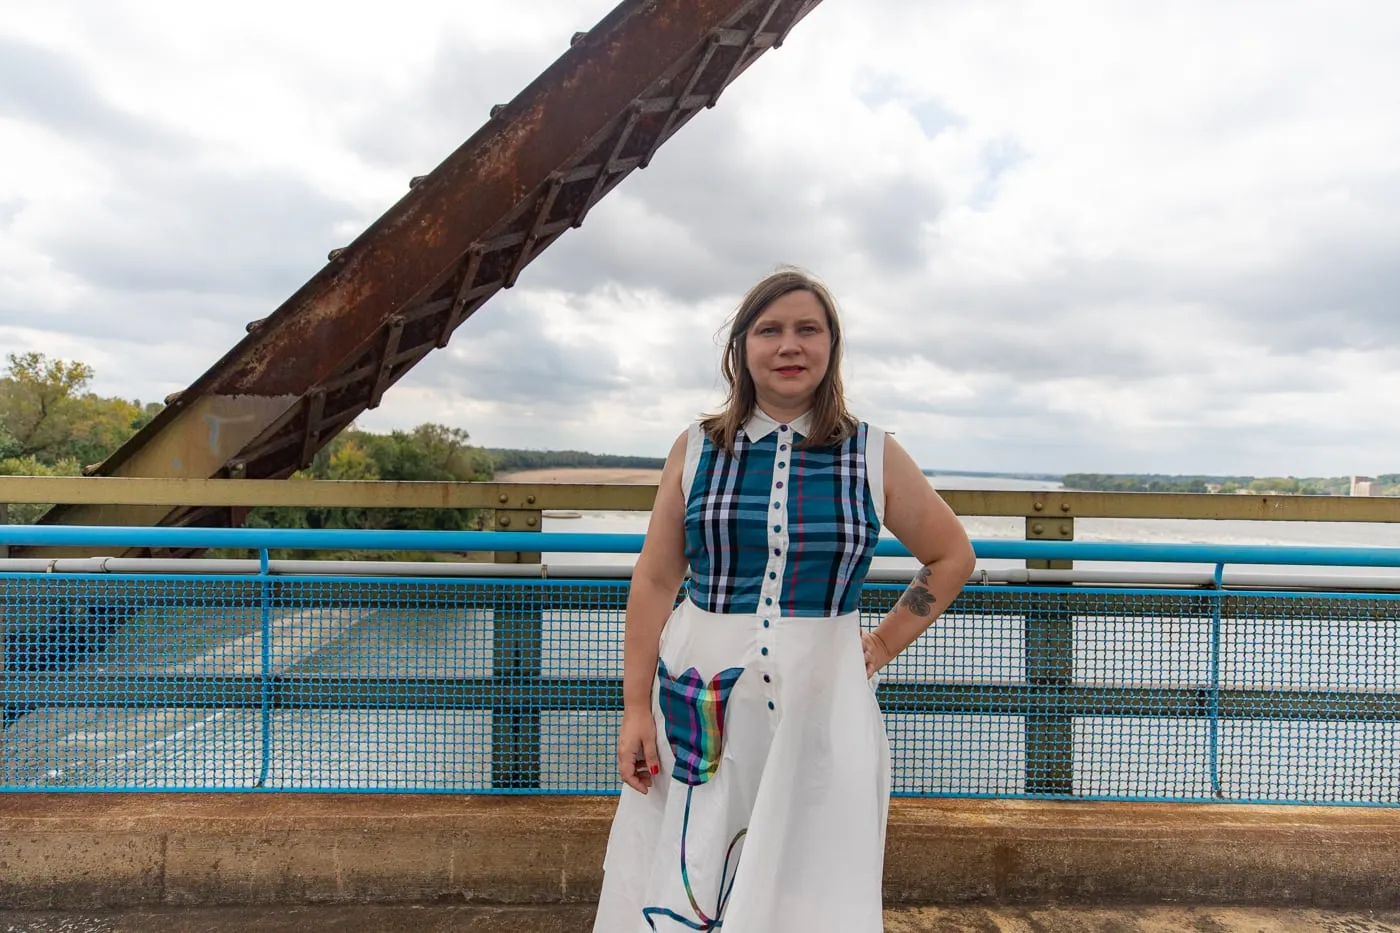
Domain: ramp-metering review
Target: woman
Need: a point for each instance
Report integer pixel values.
(763, 810)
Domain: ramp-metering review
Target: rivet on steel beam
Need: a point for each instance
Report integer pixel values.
(1064, 531)
(1039, 506)
(576, 38)
(504, 498)
(505, 521)
(335, 254)
(1038, 529)
(415, 181)
(496, 110)
(530, 521)
(1064, 506)
(530, 500)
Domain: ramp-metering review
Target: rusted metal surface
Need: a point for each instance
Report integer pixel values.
(460, 234)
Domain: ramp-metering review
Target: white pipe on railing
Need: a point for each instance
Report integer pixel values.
(1201, 579)
(464, 569)
(1110, 577)
(236, 567)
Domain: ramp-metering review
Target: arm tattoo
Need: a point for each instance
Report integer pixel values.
(917, 599)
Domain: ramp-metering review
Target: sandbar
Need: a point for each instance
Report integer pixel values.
(608, 475)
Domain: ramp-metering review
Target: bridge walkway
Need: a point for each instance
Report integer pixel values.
(576, 919)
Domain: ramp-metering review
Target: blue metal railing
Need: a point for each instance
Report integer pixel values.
(200, 681)
(572, 543)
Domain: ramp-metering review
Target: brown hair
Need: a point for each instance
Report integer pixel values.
(832, 423)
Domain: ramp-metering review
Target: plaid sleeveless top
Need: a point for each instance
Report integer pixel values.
(778, 531)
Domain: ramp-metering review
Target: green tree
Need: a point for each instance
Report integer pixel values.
(428, 453)
(46, 415)
(9, 447)
(432, 451)
(38, 401)
(349, 460)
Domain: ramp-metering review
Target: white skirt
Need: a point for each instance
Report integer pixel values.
(769, 813)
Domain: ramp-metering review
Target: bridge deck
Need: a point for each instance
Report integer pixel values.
(435, 918)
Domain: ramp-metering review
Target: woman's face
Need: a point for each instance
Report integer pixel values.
(788, 348)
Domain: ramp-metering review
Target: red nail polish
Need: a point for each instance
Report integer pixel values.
(655, 769)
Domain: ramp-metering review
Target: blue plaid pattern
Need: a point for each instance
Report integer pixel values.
(831, 520)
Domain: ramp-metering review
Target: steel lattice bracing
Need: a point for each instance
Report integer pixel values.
(463, 232)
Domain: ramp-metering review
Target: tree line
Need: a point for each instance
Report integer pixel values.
(507, 460)
(1387, 484)
(52, 425)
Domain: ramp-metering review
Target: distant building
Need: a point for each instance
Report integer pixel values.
(1361, 485)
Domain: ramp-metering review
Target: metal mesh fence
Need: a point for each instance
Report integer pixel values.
(361, 684)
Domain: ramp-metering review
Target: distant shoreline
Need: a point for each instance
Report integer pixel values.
(646, 477)
(640, 476)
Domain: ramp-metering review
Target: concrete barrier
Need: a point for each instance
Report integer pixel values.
(82, 851)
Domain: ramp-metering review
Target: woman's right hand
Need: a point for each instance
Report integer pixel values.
(637, 760)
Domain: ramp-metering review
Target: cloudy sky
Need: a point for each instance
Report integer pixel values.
(1113, 236)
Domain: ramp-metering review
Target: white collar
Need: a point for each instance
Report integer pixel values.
(760, 425)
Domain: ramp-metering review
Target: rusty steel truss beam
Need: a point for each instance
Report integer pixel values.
(460, 234)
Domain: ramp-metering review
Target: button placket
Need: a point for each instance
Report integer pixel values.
(770, 593)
